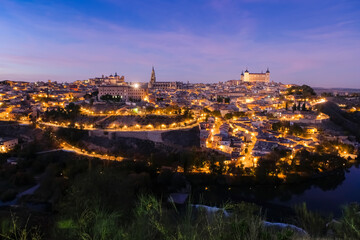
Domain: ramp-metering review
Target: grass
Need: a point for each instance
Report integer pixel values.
(311, 222)
(116, 203)
(13, 230)
(348, 226)
(151, 219)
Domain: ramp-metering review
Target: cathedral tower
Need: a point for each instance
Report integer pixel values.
(153, 77)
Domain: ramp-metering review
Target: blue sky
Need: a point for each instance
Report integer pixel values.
(315, 42)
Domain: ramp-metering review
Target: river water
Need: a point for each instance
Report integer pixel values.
(325, 195)
(329, 200)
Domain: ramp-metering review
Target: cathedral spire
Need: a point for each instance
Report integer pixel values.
(153, 77)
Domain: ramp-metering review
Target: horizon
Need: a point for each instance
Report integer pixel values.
(201, 42)
(315, 87)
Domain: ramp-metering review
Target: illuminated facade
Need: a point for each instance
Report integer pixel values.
(255, 77)
(125, 92)
(162, 85)
(108, 80)
(7, 144)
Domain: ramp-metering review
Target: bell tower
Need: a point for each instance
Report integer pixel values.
(153, 77)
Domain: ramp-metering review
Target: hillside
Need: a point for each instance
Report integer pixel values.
(349, 122)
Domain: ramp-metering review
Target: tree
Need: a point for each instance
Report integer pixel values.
(276, 126)
(95, 94)
(304, 91)
(216, 113)
(265, 167)
(228, 116)
(303, 107)
(72, 110)
(286, 106)
(150, 109)
(294, 107)
(239, 114)
(188, 114)
(206, 110)
(299, 106)
(87, 96)
(217, 166)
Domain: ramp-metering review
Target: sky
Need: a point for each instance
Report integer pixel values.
(314, 42)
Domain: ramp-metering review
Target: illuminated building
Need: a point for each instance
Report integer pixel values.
(153, 84)
(124, 92)
(7, 144)
(108, 80)
(255, 77)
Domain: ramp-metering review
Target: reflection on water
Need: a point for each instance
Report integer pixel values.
(325, 195)
(328, 196)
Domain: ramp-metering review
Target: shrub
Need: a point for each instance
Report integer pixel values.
(8, 195)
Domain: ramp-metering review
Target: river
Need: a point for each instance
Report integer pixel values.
(329, 200)
(325, 195)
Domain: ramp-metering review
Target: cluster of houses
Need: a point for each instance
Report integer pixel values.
(236, 117)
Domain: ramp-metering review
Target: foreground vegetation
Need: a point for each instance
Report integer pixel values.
(128, 200)
(91, 199)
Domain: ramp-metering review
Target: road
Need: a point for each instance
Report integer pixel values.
(123, 130)
(69, 148)
(107, 129)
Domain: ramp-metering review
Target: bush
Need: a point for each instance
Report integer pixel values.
(8, 195)
(23, 179)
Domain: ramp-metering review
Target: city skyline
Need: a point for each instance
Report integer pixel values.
(184, 119)
(204, 41)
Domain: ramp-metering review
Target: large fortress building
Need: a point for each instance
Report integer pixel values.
(255, 77)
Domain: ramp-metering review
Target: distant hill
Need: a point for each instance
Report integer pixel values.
(349, 122)
(5, 82)
(339, 90)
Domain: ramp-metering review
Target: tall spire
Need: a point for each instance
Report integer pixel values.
(268, 71)
(153, 77)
